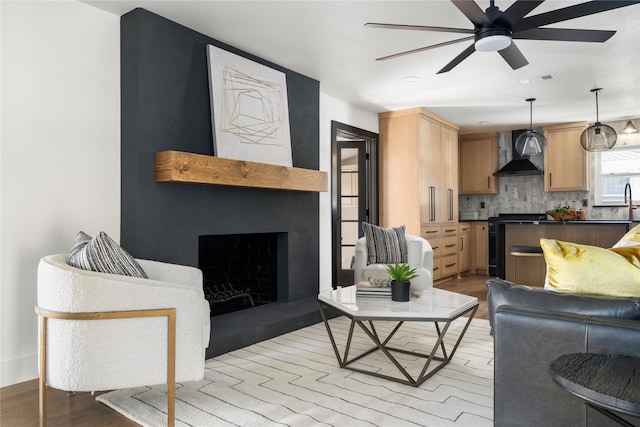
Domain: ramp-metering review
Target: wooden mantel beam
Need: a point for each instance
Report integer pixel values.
(182, 167)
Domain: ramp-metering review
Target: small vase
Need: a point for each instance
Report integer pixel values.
(400, 291)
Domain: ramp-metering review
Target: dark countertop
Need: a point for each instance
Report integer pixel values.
(586, 222)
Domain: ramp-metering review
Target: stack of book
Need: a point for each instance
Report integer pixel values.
(367, 289)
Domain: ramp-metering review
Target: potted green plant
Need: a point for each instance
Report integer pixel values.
(401, 274)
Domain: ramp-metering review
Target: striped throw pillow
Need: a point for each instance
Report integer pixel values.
(385, 245)
(102, 254)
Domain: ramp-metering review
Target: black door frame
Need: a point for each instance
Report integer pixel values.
(340, 132)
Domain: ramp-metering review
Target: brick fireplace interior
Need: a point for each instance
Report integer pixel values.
(165, 106)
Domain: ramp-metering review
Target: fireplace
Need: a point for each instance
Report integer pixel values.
(165, 106)
(240, 271)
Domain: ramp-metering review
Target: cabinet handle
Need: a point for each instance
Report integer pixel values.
(488, 182)
(550, 179)
(461, 244)
(450, 265)
(430, 231)
(432, 196)
(436, 268)
(449, 246)
(435, 247)
(451, 230)
(450, 204)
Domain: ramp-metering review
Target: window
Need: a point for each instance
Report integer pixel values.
(614, 170)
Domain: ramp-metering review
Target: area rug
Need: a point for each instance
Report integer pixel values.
(294, 380)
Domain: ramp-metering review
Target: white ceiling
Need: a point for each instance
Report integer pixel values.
(326, 40)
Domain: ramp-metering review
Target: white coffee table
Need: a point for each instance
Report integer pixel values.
(434, 305)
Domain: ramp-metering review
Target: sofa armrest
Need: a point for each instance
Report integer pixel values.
(361, 255)
(527, 340)
(501, 292)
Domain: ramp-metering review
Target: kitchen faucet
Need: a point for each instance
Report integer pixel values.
(631, 207)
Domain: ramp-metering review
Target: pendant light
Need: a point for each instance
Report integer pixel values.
(598, 137)
(530, 143)
(629, 128)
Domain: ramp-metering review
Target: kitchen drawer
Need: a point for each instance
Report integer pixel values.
(436, 245)
(464, 228)
(437, 268)
(429, 232)
(449, 246)
(449, 265)
(449, 230)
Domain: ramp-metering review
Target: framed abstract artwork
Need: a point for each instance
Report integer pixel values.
(249, 108)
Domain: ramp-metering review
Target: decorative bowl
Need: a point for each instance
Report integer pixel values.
(563, 216)
(380, 283)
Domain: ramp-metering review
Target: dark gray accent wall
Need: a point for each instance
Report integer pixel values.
(165, 106)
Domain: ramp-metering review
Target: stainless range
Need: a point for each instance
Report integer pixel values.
(496, 238)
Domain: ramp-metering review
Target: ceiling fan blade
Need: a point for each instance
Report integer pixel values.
(422, 49)
(564, 34)
(473, 12)
(418, 28)
(513, 56)
(517, 11)
(458, 59)
(570, 12)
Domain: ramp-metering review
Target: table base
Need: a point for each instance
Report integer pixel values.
(381, 345)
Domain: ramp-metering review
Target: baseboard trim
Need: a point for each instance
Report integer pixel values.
(18, 370)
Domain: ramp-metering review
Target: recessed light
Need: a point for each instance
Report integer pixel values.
(411, 79)
(484, 122)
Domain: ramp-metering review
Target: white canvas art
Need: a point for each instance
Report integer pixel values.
(249, 108)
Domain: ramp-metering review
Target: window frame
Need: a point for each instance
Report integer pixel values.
(597, 178)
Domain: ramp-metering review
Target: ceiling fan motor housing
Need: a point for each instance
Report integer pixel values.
(492, 38)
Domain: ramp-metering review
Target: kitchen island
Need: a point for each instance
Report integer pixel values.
(531, 270)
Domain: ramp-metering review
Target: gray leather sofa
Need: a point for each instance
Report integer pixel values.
(531, 328)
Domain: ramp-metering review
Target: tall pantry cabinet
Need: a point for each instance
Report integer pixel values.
(418, 175)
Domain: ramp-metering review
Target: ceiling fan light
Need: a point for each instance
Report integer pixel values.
(629, 128)
(530, 143)
(492, 43)
(598, 137)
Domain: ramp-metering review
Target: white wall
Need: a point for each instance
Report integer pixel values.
(60, 152)
(332, 108)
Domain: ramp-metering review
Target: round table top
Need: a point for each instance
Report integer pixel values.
(610, 381)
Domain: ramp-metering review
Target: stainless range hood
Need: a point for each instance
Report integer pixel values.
(520, 165)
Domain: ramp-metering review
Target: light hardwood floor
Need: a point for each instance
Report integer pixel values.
(19, 403)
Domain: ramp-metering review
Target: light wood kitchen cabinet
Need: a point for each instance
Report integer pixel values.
(465, 247)
(418, 170)
(481, 247)
(444, 242)
(478, 154)
(566, 163)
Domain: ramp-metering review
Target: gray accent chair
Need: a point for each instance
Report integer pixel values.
(531, 328)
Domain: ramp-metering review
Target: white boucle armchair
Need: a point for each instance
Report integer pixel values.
(419, 256)
(92, 355)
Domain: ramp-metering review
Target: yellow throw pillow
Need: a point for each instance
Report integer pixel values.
(583, 269)
(631, 238)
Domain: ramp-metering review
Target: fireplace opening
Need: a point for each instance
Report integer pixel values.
(240, 271)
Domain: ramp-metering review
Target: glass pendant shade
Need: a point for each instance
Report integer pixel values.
(629, 128)
(530, 143)
(598, 137)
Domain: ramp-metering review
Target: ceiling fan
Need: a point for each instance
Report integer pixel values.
(494, 30)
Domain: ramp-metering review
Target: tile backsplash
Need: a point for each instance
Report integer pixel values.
(525, 194)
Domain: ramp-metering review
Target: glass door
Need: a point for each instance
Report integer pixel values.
(354, 195)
